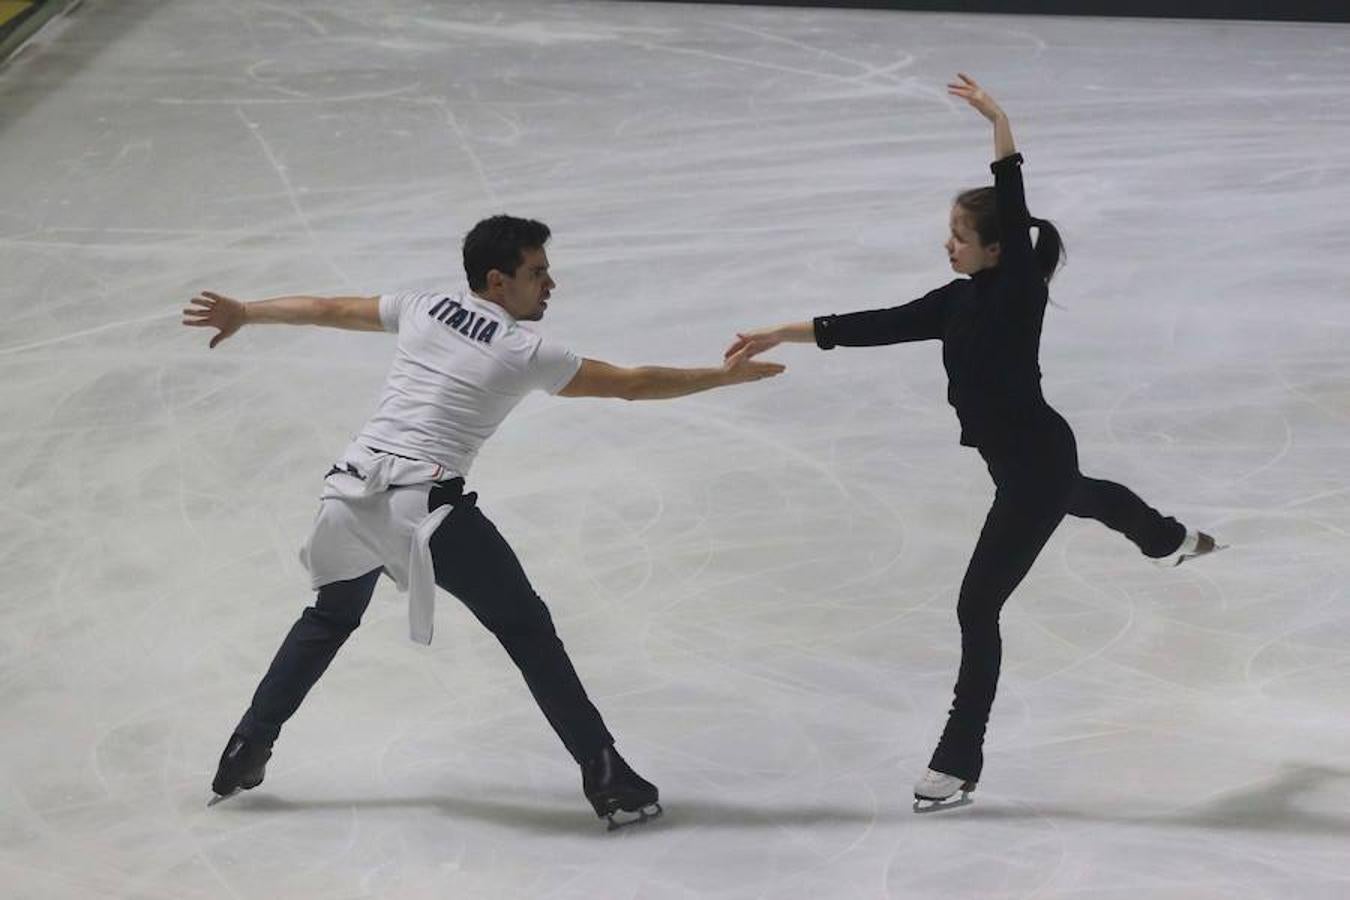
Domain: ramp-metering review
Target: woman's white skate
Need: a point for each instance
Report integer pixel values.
(1196, 543)
(936, 791)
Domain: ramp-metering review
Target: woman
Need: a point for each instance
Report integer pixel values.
(990, 327)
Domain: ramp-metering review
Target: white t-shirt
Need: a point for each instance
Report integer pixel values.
(462, 364)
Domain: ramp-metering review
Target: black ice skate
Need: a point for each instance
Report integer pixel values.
(617, 792)
(241, 768)
(935, 791)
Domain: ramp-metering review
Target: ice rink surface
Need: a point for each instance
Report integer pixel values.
(757, 584)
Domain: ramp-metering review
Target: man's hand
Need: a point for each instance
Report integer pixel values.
(742, 368)
(210, 310)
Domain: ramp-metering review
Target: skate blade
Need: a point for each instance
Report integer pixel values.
(625, 818)
(1191, 557)
(219, 798)
(924, 805)
(1171, 562)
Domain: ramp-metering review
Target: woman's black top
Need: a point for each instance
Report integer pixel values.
(989, 325)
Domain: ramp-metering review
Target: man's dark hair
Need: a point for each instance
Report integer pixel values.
(499, 243)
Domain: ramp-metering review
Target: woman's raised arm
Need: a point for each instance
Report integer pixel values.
(968, 90)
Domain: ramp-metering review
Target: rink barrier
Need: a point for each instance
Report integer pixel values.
(1271, 10)
(21, 19)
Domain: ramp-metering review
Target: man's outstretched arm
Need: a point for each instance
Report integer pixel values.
(227, 315)
(600, 379)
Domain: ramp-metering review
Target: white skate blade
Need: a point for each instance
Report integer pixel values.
(624, 818)
(929, 804)
(219, 797)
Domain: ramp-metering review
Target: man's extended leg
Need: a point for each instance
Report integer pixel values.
(475, 563)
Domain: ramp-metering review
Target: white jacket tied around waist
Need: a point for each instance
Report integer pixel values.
(373, 514)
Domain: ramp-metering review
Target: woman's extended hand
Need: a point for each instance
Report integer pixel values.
(753, 343)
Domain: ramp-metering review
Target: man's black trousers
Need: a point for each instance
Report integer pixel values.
(473, 562)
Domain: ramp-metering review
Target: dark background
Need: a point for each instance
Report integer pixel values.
(1285, 10)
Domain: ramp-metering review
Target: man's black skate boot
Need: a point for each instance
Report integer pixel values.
(614, 788)
(241, 767)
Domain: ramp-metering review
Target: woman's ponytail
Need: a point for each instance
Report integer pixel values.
(1050, 252)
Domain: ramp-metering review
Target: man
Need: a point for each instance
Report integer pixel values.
(395, 502)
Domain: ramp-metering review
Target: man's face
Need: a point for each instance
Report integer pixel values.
(525, 294)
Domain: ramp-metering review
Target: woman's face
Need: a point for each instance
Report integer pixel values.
(964, 250)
